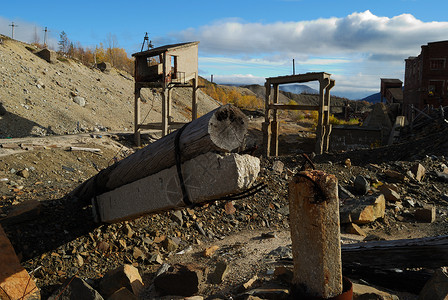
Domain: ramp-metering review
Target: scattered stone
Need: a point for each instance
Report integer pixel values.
(352, 228)
(208, 252)
(229, 208)
(156, 259)
(137, 253)
(395, 176)
(104, 67)
(390, 193)
(176, 216)
(436, 288)
(170, 245)
(221, 271)
(128, 231)
(284, 210)
(442, 176)
(363, 211)
(122, 294)
(23, 173)
(278, 167)
(426, 214)
(14, 279)
(248, 284)
(348, 163)
(361, 185)
(200, 229)
(419, 172)
(364, 292)
(181, 280)
(79, 100)
(125, 276)
(76, 288)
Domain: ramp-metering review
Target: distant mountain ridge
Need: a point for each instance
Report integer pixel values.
(374, 98)
(298, 89)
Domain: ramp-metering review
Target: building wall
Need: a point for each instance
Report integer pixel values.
(426, 77)
(187, 60)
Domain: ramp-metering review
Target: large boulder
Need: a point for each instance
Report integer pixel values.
(104, 67)
(48, 55)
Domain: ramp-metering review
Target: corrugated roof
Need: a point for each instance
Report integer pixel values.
(161, 49)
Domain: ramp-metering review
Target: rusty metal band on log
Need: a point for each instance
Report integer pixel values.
(221, 130)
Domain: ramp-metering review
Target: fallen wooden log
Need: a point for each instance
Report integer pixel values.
(72, 148)
(429, 252)
(208, 176)
(221, 130)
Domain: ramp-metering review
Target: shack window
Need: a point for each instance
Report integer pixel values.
(437, 63)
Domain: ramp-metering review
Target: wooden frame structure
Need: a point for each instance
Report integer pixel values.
(270, 128)
(165, 67)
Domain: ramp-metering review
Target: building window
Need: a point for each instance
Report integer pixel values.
(437, 63)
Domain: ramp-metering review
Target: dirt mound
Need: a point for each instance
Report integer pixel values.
(66, 97)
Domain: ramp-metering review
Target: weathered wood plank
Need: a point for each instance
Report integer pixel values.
(429, 252)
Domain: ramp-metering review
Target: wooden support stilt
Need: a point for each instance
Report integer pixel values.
(266, 126)
(314, 217)
(274, 124)
(165, 109)
(194, 104)
(137, 138)
(320, 119)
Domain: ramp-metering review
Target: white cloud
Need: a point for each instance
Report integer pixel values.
(381, 37)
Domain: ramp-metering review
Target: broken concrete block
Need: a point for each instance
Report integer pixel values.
(426, 214)
(14, 279)
(181, 280)
(363, 211)
(125, 276)
(76, 288)
(48, 55)
(390, 193)
(122, 294)
(419, 171)
(203, 176)
(436, 288)
(221, 271)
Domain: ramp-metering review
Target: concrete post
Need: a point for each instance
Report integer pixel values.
(314, 217)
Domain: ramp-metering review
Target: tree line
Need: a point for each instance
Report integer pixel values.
(104, 52)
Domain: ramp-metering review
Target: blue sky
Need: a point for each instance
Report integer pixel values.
(243, 42)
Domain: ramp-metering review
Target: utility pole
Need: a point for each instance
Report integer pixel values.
(12, 29)
(293, 67)
(146, 40)
(45, 37)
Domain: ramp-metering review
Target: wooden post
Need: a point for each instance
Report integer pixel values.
(328, 127)
(165, 109)
(314, 217)
(274, 123)
(320, 119)
(266, 126)
(137, 138)
(194, 104)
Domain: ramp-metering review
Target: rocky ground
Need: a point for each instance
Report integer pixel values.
(240, 249)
